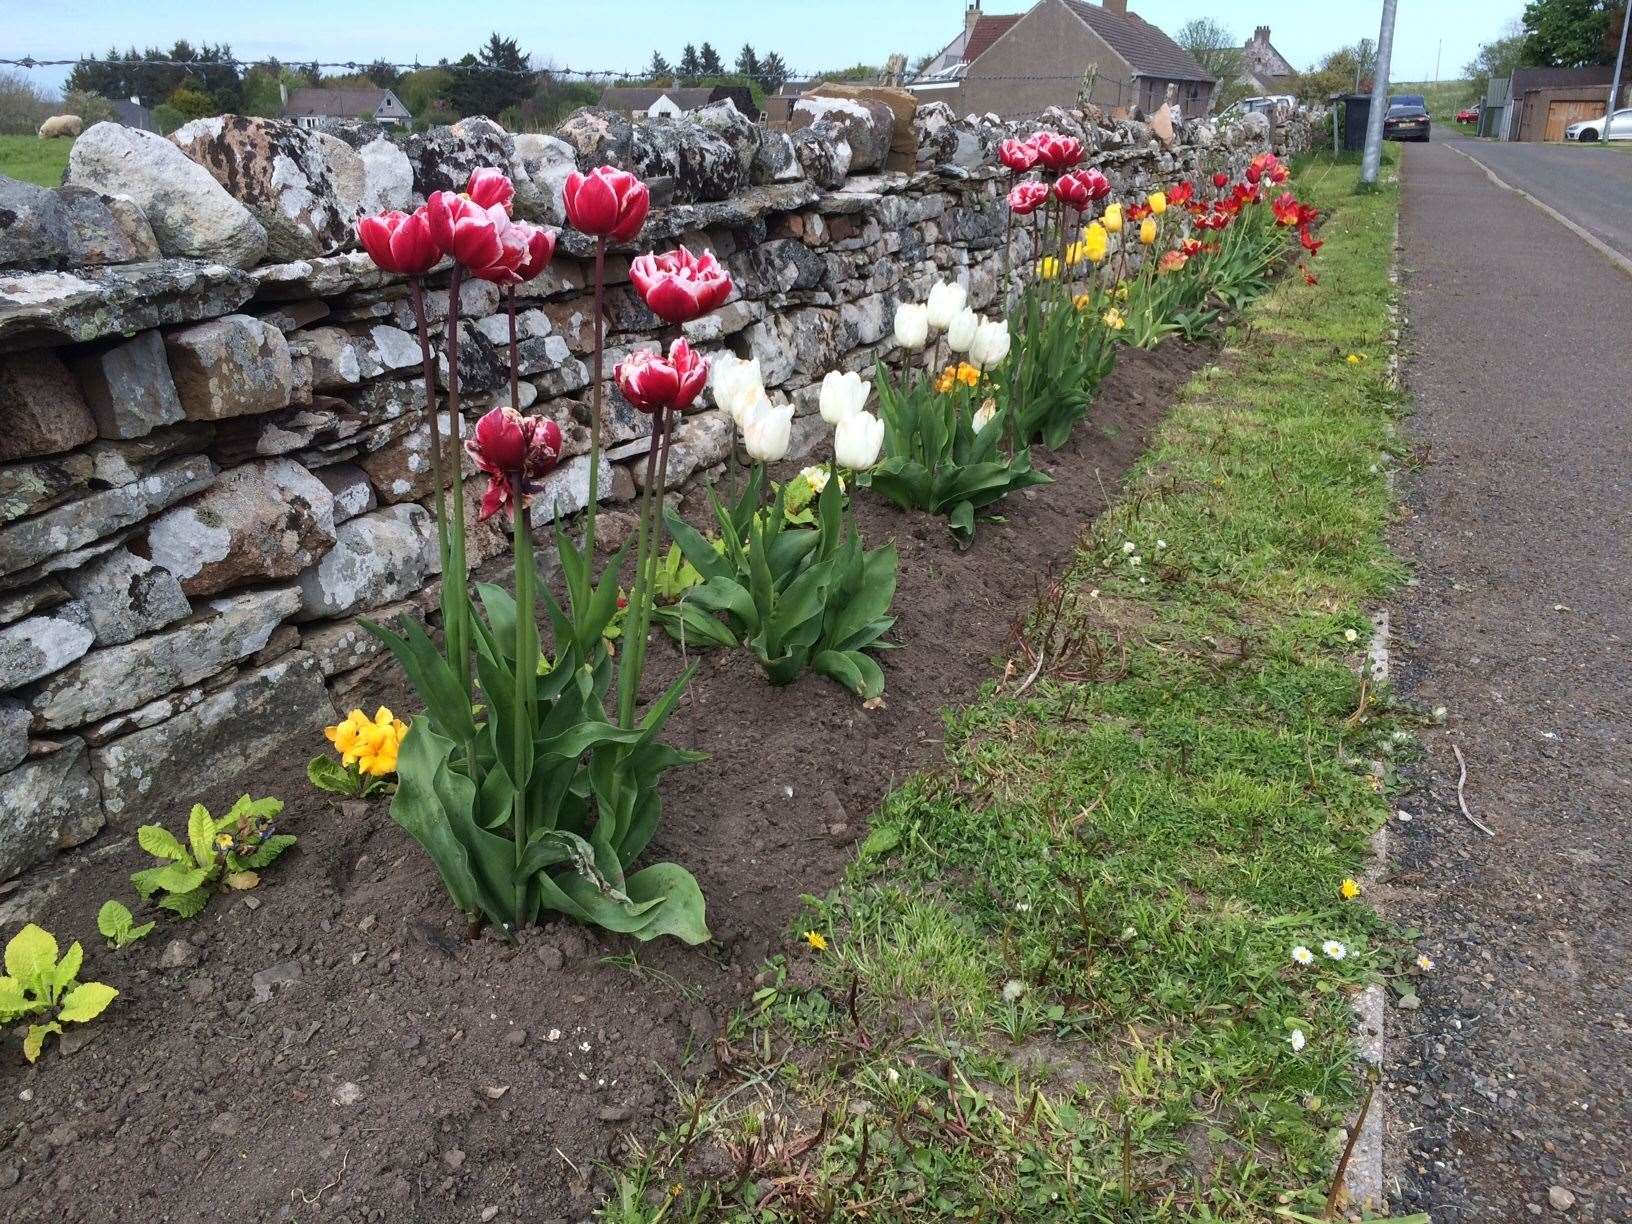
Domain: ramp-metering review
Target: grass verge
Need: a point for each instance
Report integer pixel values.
(34, 160)
(1058, 984)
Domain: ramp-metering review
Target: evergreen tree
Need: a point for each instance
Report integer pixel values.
(496, 77)
(708, 62)
(690, 66)
(383, 74)
(773, 73)
(748, 62)
(659, 69)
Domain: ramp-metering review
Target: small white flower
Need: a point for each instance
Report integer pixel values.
(815, 476)
(1013, 989)
(983, 416)
(1425, 962)
(1349, 635)
(1094, 594)
(1128, 546)
(1022, 907)
(1129, 933)
(894, 1075)
(1302, 955)
(1136, 560)
(767, 430)
(1161, 543)
(1440, 714)
(1297, 1039)
(1144, 582)
(1334, 949)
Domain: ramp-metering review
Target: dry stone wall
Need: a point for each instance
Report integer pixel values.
(214, 462)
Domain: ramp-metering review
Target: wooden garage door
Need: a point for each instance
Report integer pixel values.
(1561, 114)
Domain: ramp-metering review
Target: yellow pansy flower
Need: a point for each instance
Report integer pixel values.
(1114, 320)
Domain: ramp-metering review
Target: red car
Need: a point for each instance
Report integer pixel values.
(1468, 114)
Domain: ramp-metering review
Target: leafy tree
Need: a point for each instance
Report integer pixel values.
(690, 65)
(708, 61)
(1341, 71)
(1572, 33)
(192, 103)
(496, 77)
(23, 105)
(1211, 46)
(1497, 58)
(748, 62)
(383, 74)
(154, 74)
(773, 73)
(659, 68)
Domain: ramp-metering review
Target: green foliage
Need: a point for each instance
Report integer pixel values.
(118, 926)
(39, 987)
(158, 72)
(167, 118)
(1571, 33)
(676, 575)
(1060, 358)
(328, 774)
(935, 459)
(220, 853)
(497, 76)
(799, 597)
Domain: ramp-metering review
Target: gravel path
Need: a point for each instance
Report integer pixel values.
(1511, 1092)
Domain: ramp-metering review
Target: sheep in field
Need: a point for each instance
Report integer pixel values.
(60, 125)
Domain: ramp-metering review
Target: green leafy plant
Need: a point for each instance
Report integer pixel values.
(118, 925)
(328, 774)
(936, 460)
(675, 576)
(799, 597)
(39, 987)
(226, 852)
(1060, 356)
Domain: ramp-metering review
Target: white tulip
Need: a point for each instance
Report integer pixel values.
(991, 343)
(857, 441)
(842, 394)
(911, 326)
(766, 431)
(737, 384)
(983, 416)
(946, 298)
(960, 333)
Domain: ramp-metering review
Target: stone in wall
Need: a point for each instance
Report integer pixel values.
(442, 158)
(703, 439)
(128, 387)
(192, 215)
(47, 804)
(866, 126)
(344, 645)
(127, 596)
(278, 171)
(34, 235)
(740, 133)
(117, 678)
(41, 308)
(547, 160)
(263, 520)
(41, 407)
(40, 645)
(14, 724)
(565, 491)
(823, 154)
(267, 710)
(377, 558)
(230, 366)
(38, 484)
(353, 494)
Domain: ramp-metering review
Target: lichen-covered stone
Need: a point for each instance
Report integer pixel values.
(40, 308)
(823, 154)
(128, 387)
(47, 804)
(41, 409)
(192, 215)
(277, 170)
(38, 484)
(546, 161)
(33, 648)
(866, 126)
(127, 596)
(377, 558)
(230, 366)
(32, 232)
(353, 494)
(263, 520)
(442, 158)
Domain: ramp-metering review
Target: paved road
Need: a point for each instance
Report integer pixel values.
(1513, 1082)
(1589, 184)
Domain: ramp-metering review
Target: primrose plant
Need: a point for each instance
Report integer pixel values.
(46, 991)
(226, 852)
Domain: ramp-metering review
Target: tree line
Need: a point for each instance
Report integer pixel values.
(702, 65)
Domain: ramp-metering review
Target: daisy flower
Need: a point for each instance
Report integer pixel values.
(1297, 1039)
(1425, 962)
(1334, 949)
(1302, 955)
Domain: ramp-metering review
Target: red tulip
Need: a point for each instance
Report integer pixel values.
(1172, 261)
(1287, 209)
(399, 242)
(1180, 193)
(1278, 173)
(1309, 278)
(650, 381)
(540, 248)
(1254, 173)
(1309, 242)
(1017, 155)
(1219, 179)
(507, 446)
(1136, 212)
(1027, 197)
(1191, 247)
(1071, 191)
(1097, 185)
(606, 202)
(679, 286)
(488, 187)
(473, 235)
(1056, 152)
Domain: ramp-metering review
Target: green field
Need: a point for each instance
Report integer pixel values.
(34, 160)
(1444, 98)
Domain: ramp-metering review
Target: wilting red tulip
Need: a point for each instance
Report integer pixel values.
(606, 202)
(488, 187)
(1278, 173)
(472, 234)
(1071, 191)
(1017, 155)
(651, 381)
(1309, 278)
(399, 242)
(1219, 179)
(1172, 261)
(1096, 184)
(1309, 242)
(679, 286)
(1027, 197)
(540, 248)
(1191, 247)
(1136, 212)
(1287, 209)
(1056, 152)
(1254, 174)
(508, 446)
(1180, 194)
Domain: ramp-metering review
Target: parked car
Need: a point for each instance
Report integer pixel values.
(1407, 100)
(1408, 122)
(1620, 127)
(1262, 103)
(1468, 114)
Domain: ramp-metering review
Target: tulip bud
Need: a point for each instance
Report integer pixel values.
(767, 431)
(946, 298)
(1112, 220)
(606, 202)
(1027, 197)
(488, 187)
(983, 416)
(857, 441)
(1147, 231)
(1157, 202)
(991, 343)
(960, 333)
(1094, 242)
(650, 381)
(738, 384)
(399, 242)
(1017, 155)
(1071, 191)
(842, 395)
(911, 326)
(678, 286)
(1220, 179)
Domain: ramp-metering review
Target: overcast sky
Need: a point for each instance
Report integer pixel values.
(620, 35)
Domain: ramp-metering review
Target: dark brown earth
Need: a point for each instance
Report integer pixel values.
(483, 1075)
(1511, 1093)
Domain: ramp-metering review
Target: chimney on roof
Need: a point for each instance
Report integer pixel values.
(1115, 6)
(970, 16)
(1261, 35)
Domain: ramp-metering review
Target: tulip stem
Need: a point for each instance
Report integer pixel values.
(457, 608)
(595, 400)
(521, 716)
(633, 638)
(515, 388)
(416, 297)
(1008, 249)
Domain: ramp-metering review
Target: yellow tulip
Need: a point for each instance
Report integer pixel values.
(1112, 220)
(1082, 301)
(1048, 267)
(1157, 201)
(1147, 231)
(1094, 242)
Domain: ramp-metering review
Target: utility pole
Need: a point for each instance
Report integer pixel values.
(1615, 81)
(1438, 51)
(1379, 99)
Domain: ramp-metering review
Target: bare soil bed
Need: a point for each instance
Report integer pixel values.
(333, 1046)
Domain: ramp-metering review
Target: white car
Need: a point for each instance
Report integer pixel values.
(1620, 127)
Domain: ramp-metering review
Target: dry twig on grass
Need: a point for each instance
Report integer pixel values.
(1461, 799)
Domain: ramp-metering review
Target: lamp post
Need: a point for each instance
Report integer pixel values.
(1615, 81)
(1379, 99)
